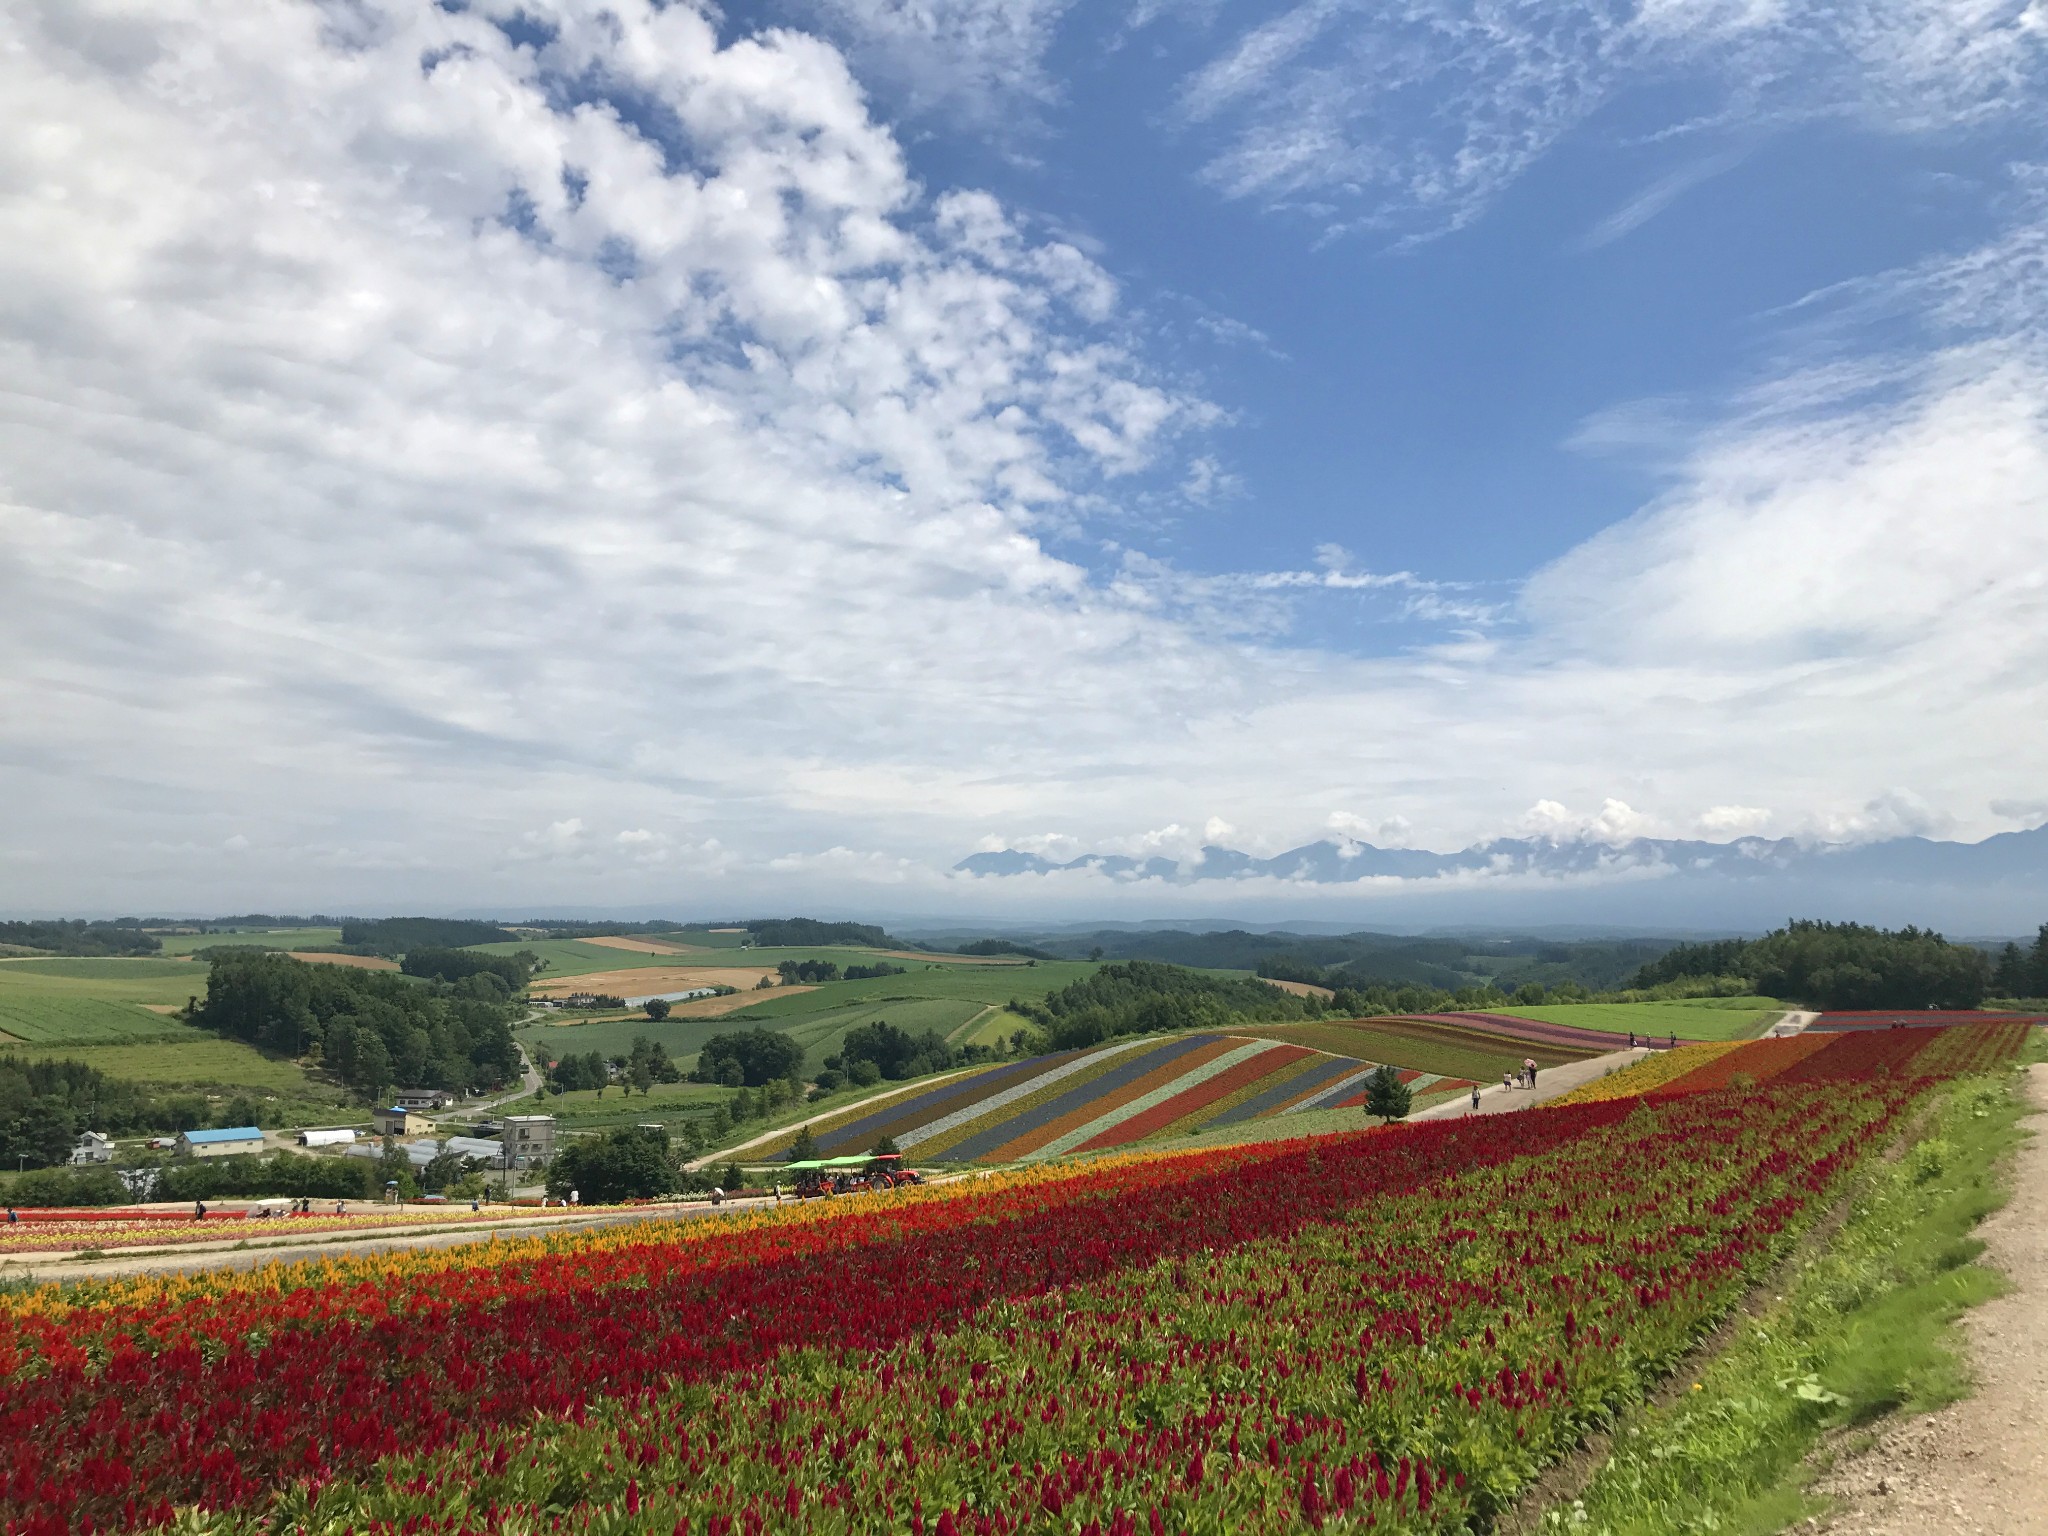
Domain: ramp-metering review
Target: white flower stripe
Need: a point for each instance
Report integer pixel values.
(1024, 1089)
(1145, 1101)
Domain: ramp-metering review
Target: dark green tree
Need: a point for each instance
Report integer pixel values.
(1387, 1096)
(626, 1164)
(657, 1008)
(805, 1147)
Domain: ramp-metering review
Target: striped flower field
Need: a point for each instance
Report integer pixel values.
(1112, 1096)
(1391, 1330)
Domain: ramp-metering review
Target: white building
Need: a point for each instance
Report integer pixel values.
(327, 1138)
(93, 1147)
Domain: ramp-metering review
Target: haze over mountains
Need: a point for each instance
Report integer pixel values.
(1999, 884)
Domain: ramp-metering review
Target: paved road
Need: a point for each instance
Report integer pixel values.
(1550, 1083)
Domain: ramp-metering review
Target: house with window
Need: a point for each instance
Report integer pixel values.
(425, 1100)
(529, 1140)
(93, 1147)
(400, 1121)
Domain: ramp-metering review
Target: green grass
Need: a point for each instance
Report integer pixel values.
(1389, 1045)
(200, 1060)
(1863, 1329)
(667, 1103)
(269, 938)
(1720, 1018)
(577, 957)
(982, 984)
(819, 1032)
(93, 1001)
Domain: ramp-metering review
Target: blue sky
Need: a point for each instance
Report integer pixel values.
(609, 454)
(1440, 389)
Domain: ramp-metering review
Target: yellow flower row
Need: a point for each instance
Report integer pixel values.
(1649, 1074)
(279, 1276)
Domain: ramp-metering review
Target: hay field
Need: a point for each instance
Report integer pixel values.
(643, 981)
(1299, 988)
(640, 946)
(359, 962)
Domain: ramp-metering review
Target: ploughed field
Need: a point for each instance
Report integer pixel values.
(1390, 1329)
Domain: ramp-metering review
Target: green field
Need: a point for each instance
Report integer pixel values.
(93, 1002)
(213, 1068)
(1715, 1018)
(819, 1031)
(1478, 1060)
(577, 957)
(982, 984)
(666, 1103)
(269, 938)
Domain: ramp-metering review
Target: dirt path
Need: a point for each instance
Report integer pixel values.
(1980, 1465)
(1550, 1083)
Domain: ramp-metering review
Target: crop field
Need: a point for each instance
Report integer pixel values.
(977, 983)
(1702, 1019)
(269, 938)
(1443, 1049)
(198, 1060)
(1392, 1329)
(583, 957)
(665, 1103)
(1108, 1097)
(94, 1001)
(819, 1033)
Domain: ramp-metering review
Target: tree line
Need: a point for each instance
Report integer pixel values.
(373, 1030)
(46, 1104)
(817, 972)
(1843, 966)
(76, 937)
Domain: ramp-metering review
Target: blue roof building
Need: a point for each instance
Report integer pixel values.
(222, 1143)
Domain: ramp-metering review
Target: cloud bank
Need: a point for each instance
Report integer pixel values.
(527, 454)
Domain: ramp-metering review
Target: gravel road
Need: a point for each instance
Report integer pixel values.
(1980, 1465)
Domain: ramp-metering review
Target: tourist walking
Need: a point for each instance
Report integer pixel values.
(1529, 1069)
(1475, 1098)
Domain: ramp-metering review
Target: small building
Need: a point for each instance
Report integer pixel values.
(427, 1100)
(529, 1140)
(400, 1121)
(327, 1138)
(93, 1147)
(225, 1143)
(475, 1147)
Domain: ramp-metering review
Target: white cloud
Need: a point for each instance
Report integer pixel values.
(345, 463)
(974, 59)
(1727, 821)
(1416, 114)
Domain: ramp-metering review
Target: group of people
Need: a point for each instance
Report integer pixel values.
(1511, 1080)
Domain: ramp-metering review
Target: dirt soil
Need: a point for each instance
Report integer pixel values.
(645, 946)
(360, 962)
(1300, 988)
(1980, 1465)
(646, 980)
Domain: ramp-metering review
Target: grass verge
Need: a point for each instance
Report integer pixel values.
(1862, 1329)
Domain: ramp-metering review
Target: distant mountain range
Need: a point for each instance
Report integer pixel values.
(2008, 856)
(2001, 881)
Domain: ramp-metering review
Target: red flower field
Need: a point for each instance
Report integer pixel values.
(1394, 1329)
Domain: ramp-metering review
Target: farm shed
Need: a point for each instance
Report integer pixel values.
(223, 1143)
(327, 1138)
